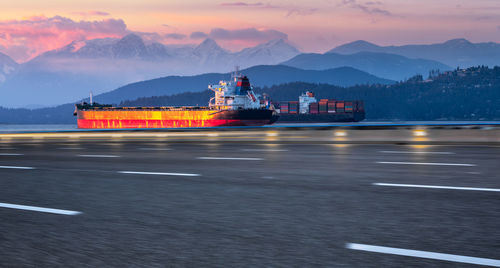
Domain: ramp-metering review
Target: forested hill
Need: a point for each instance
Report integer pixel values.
(470, 94)
(262, 75)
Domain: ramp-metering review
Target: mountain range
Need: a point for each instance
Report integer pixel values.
(262, 75)
(207, 52)
(455, 53)
(471, 94)
(385, 65)
(100, 65)
(453, 95)
(69, 73)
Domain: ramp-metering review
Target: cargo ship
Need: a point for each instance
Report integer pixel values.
(234, 104)
(308, 110)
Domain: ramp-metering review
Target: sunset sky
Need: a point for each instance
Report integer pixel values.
(29, 27)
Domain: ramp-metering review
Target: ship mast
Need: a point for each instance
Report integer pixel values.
(236, 72)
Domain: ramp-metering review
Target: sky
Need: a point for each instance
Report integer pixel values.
(31, 27)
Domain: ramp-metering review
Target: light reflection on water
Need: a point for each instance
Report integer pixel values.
(420, 146)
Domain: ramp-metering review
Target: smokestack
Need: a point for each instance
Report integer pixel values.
(91, 101)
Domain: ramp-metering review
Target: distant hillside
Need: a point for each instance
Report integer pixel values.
(181, 99)
(263, 75)
(62, 114)
(455, 53)
(472, 94)
(390, 66)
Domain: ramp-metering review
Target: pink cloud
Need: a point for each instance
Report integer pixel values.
(40, 34)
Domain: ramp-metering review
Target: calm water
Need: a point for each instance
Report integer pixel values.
(11, 128)
(41, 127)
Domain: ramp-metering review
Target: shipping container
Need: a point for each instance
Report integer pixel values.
(293, 107)
(310, 109)
(348, 106)
(323, 108)
(284, 107)
(331, 106)
(313, 108)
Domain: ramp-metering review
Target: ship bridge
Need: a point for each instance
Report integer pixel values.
(234, 94)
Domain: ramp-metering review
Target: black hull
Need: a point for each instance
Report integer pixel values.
(321, 118)
(248, 117)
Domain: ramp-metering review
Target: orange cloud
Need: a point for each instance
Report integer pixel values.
(24, 39)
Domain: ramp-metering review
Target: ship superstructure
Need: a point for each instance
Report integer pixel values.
(236, 94)
(234, 104)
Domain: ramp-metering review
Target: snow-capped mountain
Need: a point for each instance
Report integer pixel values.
(269, 53)
(209, 47)
(95, 48)
(130, 46)
(69, 73)
(7, 67)
(456, 52)
(209, 52)
(390, 66)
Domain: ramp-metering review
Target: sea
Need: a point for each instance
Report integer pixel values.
(15, 128)
(11, 128)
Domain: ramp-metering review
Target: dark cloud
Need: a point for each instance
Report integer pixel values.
(372, 3)
(289, 9)
(367, 7)
(175, 36)
(198, 35)
(248, 34)
(242, 4)
(301, 12)
(91, 13)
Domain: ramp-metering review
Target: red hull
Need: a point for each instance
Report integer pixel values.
(151, 117)
(147, 123)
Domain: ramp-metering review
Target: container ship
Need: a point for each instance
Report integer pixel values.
(308, 110)
(234, 104)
